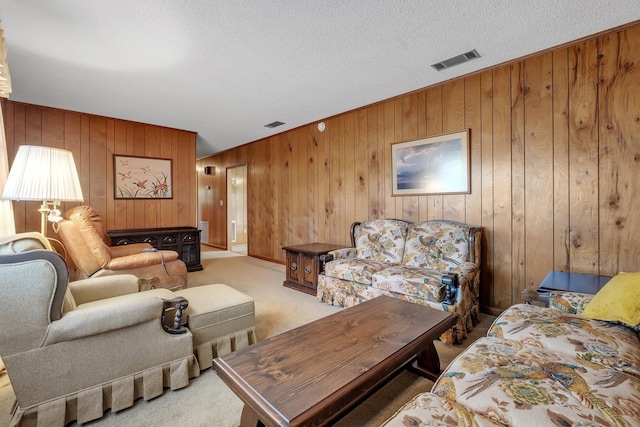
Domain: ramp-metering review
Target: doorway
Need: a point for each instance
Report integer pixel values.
(237, 209)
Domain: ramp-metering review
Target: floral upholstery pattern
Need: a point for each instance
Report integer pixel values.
(430, 410)
(421, 282)
(373, 268)
(382, 240)
(345, 293)
(354, 270)
(569, 302)
(537, 366)
(436, 244)
(343, 253)
(591, 341)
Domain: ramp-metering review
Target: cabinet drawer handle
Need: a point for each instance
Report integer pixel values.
(307, 270)
(294, 266)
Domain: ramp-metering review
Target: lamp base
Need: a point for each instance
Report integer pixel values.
(49, 211)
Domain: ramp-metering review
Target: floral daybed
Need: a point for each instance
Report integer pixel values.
(539, 366)
(434, 263)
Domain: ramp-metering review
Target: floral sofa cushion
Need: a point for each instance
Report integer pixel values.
(511, 383)
(428, 409)
(421, 282)
(382, 240)
(436, 244)
(593, 342)
(354, 269)
(537, 366)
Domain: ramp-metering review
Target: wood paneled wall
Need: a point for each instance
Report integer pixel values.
(555, 167)
(93, 140)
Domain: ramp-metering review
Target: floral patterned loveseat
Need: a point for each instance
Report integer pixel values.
(434, 263)
(545, 366)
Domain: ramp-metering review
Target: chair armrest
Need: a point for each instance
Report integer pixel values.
(175, 307)
(142, 260)
(104, 318)
(124, 250)
(87, 290)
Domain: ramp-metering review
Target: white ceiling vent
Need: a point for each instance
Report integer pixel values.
(273, 125)
(456, 60)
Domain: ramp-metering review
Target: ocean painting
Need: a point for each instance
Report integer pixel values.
(438, 165)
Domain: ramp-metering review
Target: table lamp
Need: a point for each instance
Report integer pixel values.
(45, 174)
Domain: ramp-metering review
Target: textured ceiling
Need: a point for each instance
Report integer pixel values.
(226, 68)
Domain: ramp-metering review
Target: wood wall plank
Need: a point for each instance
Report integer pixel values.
(538, 169)
(561, 208)
(503, 254)
(377, 160)
(473, 120)
(518, 200)
(583, 157)
(486, 188)
(362, 189)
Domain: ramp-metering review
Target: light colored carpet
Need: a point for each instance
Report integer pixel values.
(207, 401)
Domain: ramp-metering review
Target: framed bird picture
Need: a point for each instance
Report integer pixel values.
(142, 177)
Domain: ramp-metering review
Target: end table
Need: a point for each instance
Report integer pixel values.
(304, 266)
(573, 282)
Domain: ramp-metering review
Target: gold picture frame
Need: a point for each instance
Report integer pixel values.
(142, 177)
(436, 165)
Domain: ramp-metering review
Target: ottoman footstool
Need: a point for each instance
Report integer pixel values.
(221, 320)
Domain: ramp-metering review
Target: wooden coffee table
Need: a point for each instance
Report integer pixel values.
(315, 374)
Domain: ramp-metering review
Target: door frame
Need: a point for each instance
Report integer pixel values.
(228, 218)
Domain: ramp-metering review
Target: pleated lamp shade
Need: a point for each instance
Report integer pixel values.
(44, 174)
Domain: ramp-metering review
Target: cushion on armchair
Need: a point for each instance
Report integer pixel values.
(436, 244)
(382, 240)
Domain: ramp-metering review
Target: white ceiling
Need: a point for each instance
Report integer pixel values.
(225, 68)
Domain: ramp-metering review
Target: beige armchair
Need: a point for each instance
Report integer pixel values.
(70, 356)
(83, 236)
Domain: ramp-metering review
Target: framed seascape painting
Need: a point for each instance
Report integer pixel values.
(142, 177)
(434, 165)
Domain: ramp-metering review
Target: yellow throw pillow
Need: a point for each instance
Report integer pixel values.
(617, 301)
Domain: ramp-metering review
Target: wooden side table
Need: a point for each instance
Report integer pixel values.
(304, 266)
(572, 282)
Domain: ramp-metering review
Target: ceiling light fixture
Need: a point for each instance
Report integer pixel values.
(456, 60)
(273, 125)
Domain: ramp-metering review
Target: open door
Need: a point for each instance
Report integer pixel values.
(237, 209)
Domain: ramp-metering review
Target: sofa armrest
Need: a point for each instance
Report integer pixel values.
(342, 253)
(450, 280)
(569, 302)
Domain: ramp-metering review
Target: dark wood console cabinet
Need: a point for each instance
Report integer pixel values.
(304, 266)
(184, 240)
